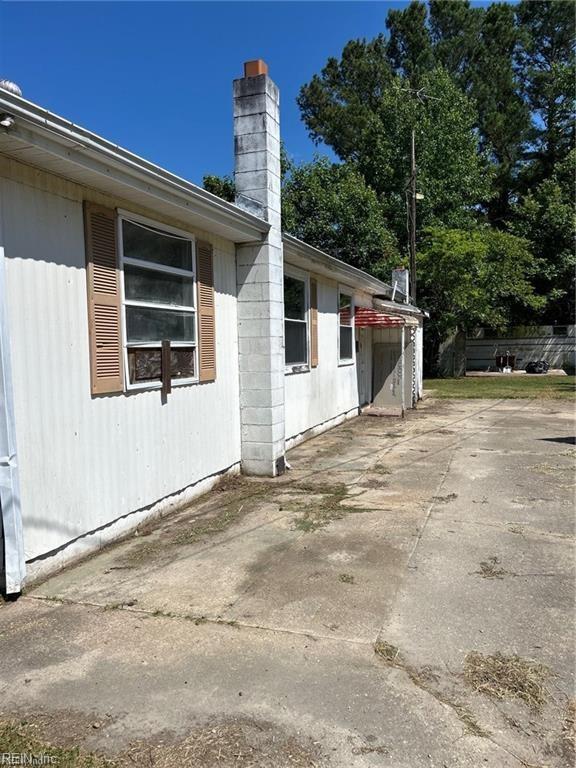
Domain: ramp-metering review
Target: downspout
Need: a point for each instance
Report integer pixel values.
(14, 564)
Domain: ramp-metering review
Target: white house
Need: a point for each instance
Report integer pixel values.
(154, 337)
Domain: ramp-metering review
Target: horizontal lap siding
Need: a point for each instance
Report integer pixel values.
(84, 460)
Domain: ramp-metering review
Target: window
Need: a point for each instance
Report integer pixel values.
(345, 325)
(159, 301)
(295, 321)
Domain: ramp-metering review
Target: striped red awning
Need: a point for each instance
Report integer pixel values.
(364, 317)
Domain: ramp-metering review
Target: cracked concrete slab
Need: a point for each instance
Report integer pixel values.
(230, 614)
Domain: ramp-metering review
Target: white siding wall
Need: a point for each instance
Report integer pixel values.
(86, 461)
(317, 396)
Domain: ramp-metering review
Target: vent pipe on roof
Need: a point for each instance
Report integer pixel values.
(8, 85)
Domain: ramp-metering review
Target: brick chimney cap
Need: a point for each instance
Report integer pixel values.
(255, 67)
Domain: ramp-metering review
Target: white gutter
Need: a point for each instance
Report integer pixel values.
(333, 266)
(41, 122)
(399, 308)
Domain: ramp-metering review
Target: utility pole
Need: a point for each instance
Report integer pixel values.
(414, 195)
(413, 219)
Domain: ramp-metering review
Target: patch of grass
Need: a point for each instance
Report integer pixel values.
(489, 569)
(445, 499)
(238, 742)
(18, 737)
(516, 529)
(320, 513)
(390, 653)
(346, 578)
(381, 469)
(569, 731)
(546, 469)
(505, 386)
(379, 749)
(373, 483)
(231, 500)
(339, 490)
(203, 527)
(507, 677)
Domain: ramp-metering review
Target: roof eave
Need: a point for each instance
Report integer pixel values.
(74, 146)
(335, 268)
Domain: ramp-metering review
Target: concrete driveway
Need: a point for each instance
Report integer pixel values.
(330, 617)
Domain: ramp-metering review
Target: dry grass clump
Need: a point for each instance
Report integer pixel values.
(425, 679)
(318, 513)
(373, 483)
(489, 569)
(390, 653)
(22, 738)
(346, 578)
(228, 743)
(569, 730)
(507, 677)
(445, 499)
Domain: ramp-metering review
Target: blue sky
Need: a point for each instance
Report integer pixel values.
(155, 77)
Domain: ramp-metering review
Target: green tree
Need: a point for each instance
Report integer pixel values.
(221, 186)
(503, 115)
(330, 206)
(470, 278)
(371, 128)
(479, 48)
(545, 216)
(409, 48)
(455, 32)
(547, 69)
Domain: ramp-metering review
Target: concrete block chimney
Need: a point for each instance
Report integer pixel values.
(260, 273)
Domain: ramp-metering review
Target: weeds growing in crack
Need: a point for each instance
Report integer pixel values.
(425, 679)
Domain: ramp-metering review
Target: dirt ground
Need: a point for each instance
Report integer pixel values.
(403, 597)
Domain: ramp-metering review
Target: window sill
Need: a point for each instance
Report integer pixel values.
(302, 368)
(151, 385)
(344, 363)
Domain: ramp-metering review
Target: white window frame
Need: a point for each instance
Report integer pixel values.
(124, 215)
(345, 291)
(303, 277)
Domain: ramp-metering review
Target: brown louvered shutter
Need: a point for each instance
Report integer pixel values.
(104, 305)
(206, 320)
(313, 323)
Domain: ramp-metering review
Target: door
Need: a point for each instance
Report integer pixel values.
(388, 375)
(364, 364)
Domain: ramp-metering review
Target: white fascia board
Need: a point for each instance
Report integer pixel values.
(43, 130)
(330, 266)
(399, 309)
